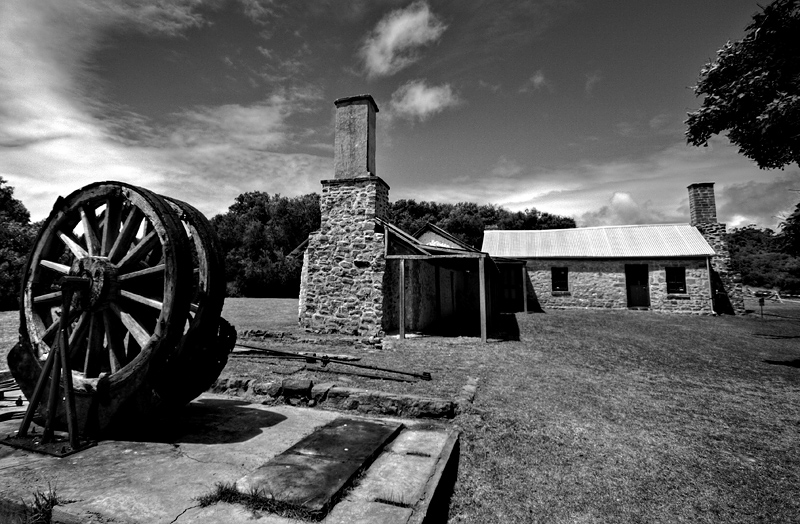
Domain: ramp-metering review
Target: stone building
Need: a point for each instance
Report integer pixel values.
(680, 268)
(363, 276)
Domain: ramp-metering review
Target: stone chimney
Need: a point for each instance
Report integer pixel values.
(702, 205)
(341, 289)
(727, 285)
(354, 141)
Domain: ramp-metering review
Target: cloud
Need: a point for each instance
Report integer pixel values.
(592, 79)
(56, 136)
(536, 82)
(762, 202)
(654, 185)
(623, 209)
(505, 168)
(417, 101)
(394, 42)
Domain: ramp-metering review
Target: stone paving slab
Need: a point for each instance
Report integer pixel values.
(313, 473)
(157, 479)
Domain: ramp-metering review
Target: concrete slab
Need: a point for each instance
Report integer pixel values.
(157, 477)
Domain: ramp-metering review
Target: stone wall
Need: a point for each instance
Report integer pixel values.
(343, 276)
(601, 284)
(728, 293)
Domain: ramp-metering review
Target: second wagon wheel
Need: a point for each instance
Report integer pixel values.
(203, 350)
(133, 249)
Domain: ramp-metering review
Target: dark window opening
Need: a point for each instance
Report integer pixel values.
(676, 279)
(560, 278)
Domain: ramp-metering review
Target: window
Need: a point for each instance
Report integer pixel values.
(676, 280)
(560, 278)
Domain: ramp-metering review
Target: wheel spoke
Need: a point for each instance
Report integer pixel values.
(155, 304)
(73, 244)
(52, 329)
(116, 349)
(55, 266)
(155, 270)
(126, 236)
(139, 251)
(89, 220)
(111, 222)
(47, 297)
(139, 333)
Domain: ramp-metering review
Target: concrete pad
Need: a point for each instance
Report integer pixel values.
(157, 477)
(349, 512)
(397, 479)
(418, 442)
(217, 439)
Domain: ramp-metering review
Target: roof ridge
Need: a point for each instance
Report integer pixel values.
(583, 228)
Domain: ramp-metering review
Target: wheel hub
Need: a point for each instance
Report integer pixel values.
(103, 283)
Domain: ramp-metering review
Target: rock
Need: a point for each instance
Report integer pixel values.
(297, 387)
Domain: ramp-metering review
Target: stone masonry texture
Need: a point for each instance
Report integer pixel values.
(727, 284)
(342, 282)
(600, 283)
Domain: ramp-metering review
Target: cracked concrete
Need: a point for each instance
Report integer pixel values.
(157, 477)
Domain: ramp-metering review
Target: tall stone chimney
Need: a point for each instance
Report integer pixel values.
(341, 289)
(726, 284)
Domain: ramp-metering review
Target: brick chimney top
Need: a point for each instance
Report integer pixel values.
(354, 140)
(702, 204)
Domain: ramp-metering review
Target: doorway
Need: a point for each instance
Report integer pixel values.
(637, 282)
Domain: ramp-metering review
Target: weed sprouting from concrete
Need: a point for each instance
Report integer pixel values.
(394, 499)
(41, 511)
(257, 500)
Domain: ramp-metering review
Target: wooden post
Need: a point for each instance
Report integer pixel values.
(402, 324)
(524, 290)
(482, 278)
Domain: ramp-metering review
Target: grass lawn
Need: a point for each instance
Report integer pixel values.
(601, 416)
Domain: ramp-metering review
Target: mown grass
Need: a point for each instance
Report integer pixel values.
(604, 416)
(9, 334)
(618, 416)
(636, 417)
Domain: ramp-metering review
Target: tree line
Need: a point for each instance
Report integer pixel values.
(263, 234)
(263, 237)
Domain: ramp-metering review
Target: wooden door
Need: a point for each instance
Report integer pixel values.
(637, 282)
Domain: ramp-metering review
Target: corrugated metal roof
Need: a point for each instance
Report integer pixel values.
(657, 240)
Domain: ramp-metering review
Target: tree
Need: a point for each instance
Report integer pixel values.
(16, 239)
(467, 221)
(761, 257)
(790, 233)
(258, 234)
(752, 90)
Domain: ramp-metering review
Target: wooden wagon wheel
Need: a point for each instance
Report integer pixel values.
(203, 350)
(131, 245)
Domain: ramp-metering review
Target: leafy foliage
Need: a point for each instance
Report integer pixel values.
(16, 239)
(752, 90)
(790, 233)
(760, 256)
(467, 221)
(258, 234)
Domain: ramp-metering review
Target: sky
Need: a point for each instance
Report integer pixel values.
(573, 107)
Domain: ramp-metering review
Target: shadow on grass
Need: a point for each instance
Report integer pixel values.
(789, 363)
(775, 337)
